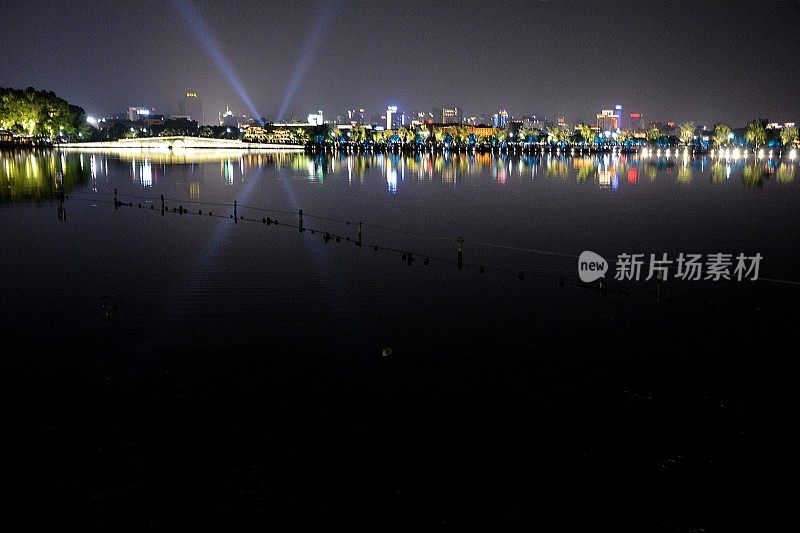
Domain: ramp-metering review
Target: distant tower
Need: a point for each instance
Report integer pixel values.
(391, 111)
(618, 109)
(500, 119)
(191, 105)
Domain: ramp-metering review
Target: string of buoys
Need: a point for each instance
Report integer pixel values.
(408, 256)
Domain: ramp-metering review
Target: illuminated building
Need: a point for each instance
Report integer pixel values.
(607, 120)
(636, 122)
(500, 119)
(315, 119)
(391, 111)
(228, 118)
(357, 116)
(618, 109)
(191, 106)
(448, 115)
(533, 122)
(136, 114)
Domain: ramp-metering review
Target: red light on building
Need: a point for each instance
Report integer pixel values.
(636, 115)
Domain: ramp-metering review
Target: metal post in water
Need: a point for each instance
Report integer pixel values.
(300, 226)
(235, 213)
(116, 204)
(162, 205)
(359, 232)
(460, 241)
(62, 214)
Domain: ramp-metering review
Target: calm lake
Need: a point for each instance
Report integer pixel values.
(252, 373)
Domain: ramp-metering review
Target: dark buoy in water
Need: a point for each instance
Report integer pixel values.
(200, 212)
(375, 248)
(327, 237)
(521, 276)
(263, 220)
(560, 282)
(338, 239)
(404, 256)
(481, 270)
(426, 261)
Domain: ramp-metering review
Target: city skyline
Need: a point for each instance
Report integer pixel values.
(709, 62)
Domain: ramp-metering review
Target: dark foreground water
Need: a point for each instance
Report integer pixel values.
(183, 369)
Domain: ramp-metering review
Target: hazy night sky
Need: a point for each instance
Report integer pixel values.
(701, 61)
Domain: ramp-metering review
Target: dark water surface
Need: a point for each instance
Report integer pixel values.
(183, 369)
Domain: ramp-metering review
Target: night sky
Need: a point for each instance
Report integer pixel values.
(703, 61)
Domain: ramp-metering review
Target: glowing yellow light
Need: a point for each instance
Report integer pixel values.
(736, 153)
(793, 153)
(760, 154)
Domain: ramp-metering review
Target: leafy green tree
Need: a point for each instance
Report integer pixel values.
(42, 114)
(788, 136)
(653, 134)
(406, 135)
(358, 134)
(722, 134)
(378, 136)
(686, 132)
(461, 134)
(756, 133)
(300, 135)
(527, 134)
(587, 134)
(553, 134)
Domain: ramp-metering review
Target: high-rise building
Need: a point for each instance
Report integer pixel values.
(391, 116)
(447, 115)
(136, 114)
(500, 119)
(191, 105)
(533, 122)
(636, 122)
(357, 116)
(607, 120)
(228, 118)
